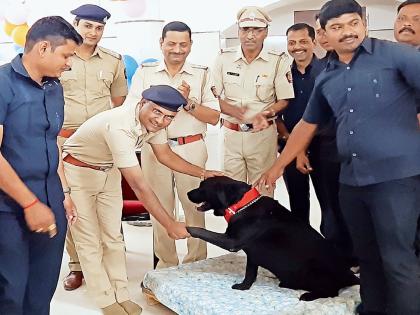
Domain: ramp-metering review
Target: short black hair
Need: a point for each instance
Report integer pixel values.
(405, 3)
(55, 29)
(336, 8)
(176, 26)
(302, 26)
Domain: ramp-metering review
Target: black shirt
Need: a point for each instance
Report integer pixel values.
(373, 101)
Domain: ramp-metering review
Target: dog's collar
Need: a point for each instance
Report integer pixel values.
(248, 199)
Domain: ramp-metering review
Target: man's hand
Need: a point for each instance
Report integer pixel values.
(39, 218)
(260, 120)
(71, 212)
(210, 173)
(267, 181)
(238, 113)
(302, 163)
(184, 89)
(177, 230)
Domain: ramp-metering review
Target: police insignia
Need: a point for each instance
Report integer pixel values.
(289, 76)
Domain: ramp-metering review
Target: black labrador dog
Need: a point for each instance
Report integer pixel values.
(273, 238)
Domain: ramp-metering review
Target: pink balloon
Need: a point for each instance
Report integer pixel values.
(134, 8)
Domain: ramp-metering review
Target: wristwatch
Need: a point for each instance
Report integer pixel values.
(190, 106)
(67, 190)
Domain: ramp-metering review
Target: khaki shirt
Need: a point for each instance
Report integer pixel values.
(255, 85)
(199, 79)
(111, 138)
(90, 84)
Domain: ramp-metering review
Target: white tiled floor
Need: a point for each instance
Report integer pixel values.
(139, 261)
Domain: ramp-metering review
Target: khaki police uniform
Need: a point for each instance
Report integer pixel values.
(109, 140)
(256, 86)
(164, 180)
(88, 88)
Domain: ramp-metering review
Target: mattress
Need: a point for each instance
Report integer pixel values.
(204, 288)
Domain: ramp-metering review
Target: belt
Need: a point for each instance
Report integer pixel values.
(187, 139)
(72, 160)
(66, 133)
(239, 127)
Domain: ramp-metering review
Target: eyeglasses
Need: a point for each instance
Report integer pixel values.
(253, 30)
(159, 114)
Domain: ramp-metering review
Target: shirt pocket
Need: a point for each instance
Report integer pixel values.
(264, 88)
(69, 82)
(105, 80)
(232, 85)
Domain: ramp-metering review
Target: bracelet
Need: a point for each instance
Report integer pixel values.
(67, 190)
(202, 175)
(31, 204)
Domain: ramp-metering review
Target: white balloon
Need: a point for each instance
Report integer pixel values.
(17, 13)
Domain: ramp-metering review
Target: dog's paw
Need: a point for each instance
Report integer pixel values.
(241, 286)
(309, 296)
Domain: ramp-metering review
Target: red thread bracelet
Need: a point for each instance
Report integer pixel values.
(31, 204)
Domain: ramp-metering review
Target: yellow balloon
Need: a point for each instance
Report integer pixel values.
(19, 34)
(8, 28)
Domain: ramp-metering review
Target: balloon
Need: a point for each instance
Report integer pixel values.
(134, 8)
(8, 28)
(19, 34)
(17, 13)
(147, 60)
(130, 67)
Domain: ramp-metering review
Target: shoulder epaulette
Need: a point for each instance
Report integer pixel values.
(229, 49)
(199, 67)
(150, 64)
(111, 53)
(276, 52)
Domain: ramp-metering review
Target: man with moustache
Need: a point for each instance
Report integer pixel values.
(320, 160)
(369, 88)
(253, 84)
(185, 136)
(95, 83)
(34, 199)
(407, 30)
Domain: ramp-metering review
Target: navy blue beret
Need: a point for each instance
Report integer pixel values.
(165, 96)
(92, 12)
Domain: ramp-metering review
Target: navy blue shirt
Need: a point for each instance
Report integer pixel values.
(32, 116)
(373, 101)
(303, 84)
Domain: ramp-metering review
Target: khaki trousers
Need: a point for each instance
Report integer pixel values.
(97, 232)
(74, 264)
(163, 182)
(246, 155)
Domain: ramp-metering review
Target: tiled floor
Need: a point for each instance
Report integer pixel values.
(139, 261)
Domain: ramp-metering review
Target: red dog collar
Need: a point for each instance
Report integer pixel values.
(249, 198)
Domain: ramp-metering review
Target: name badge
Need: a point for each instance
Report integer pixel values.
(233, 73)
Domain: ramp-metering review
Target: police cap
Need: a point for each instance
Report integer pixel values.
(165, 96)
(91, 12)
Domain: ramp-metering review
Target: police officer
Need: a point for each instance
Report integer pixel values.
(368, 87)
(407, 30)
(95, 83)
(253, 85)
(96, 155)
(31, 194)
(185, 135)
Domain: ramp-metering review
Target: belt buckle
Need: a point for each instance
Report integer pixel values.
(104, 168)
(245, 127)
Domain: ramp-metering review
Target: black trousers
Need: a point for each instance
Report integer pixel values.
(29, 265)
(382, 221)
(325, 179)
